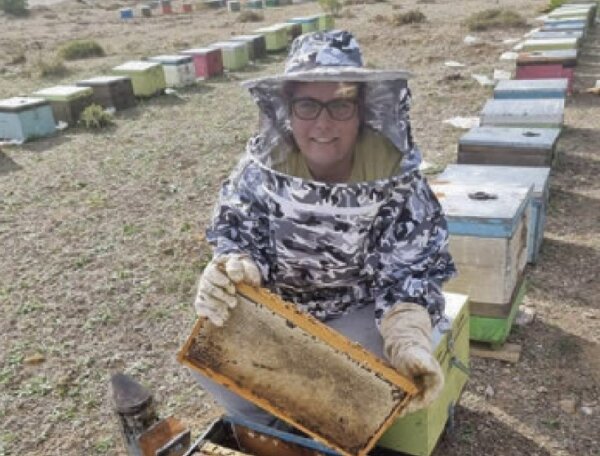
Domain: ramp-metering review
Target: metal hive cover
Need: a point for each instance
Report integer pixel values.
(298, 369)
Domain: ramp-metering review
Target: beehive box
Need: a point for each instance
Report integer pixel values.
(519, 176)
(547, 65)
(550, 44)
(508, 146)
(495, 329)
(309, 23)
(275, 37)
(179, 69)
(584, 13)
(257, 46)
(531, 88)
(488, 241)
(418, 433)
(575, 21)
(235, 54)
(234, 5)
(348, 409)
(25, 118)
(563, 26)
(208, 62)
(111, 91)
(67, 101)
(540, 113)
(566, 34)
(147, 78)
(254, 4)
(324, 21)
(271, 3)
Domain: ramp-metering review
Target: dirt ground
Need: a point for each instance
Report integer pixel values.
(100, 231)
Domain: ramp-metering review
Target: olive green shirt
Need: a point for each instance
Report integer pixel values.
(374, 157)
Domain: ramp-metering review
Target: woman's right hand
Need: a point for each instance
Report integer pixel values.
(216, 289)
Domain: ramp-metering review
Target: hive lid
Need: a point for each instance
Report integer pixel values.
(16, 104)
(228, 44)
(63, 92)
(171, 59)
(482, 210)
(524, 85)
(102, 80)
(521, 138)
(194, 51)
(300, 370)
(508, 175)
(136, 65)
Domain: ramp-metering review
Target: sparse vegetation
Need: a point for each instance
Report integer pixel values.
(95, 118)
(363, 2)
(250, 16)
(410, 17)
(494, 18)
(552, 5)
(81, 49)
(14, 7)
(54, 67)
(331, 6)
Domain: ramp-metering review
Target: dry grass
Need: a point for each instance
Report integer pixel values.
(410, 17)
(51, 68)
(80, 49)
(250, 16)
(496, 18)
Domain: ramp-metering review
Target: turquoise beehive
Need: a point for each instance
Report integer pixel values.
(25, 118)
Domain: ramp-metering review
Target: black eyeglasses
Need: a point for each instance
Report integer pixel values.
(309, 109)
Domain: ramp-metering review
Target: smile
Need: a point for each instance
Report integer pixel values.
(323, 140)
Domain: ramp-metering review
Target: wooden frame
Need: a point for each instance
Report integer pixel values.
(307, 340)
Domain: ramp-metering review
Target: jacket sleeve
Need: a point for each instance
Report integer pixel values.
(412, 253)
(240, 221)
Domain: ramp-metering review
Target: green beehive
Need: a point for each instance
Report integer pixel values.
(147, 78)
(67, 101)
(309, 23)
(324, 21)
(417, 433)
(275, 37)
(254, 4)
(271, 3)
(235, 54)
(495, 330)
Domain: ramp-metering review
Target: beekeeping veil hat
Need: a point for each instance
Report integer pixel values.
(333, 56)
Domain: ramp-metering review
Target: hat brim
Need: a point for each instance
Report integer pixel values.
(331, 74)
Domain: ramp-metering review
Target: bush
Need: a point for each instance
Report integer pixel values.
(410, 17)
(81, 49)
(250, 16)
(494, 18)
(14, 7)
(552, 5)
(51, 68)
(94, 117)
(331, 6)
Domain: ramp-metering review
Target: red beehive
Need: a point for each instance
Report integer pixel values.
(186, 7)
(166, 6)
(207, 61)
(547, 65)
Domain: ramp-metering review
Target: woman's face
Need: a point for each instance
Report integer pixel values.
(326, 142)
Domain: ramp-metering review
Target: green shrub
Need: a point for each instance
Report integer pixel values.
(331, 6)
(80, 49)
(552, 5)
(51, 68)
(14, 7)
(250, 16)
(410, 17)
(494, 18)
(94, 117)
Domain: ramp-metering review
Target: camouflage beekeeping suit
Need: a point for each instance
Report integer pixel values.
(331, 247)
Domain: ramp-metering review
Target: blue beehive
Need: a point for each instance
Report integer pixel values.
(25, 118)
(531, 88)
(510, 176)
(508, 146)
(126, 13)
(541, 113)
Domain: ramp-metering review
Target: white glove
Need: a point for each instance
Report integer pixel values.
(406, 332)
(216, 289)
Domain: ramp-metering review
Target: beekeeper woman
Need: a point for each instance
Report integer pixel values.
(327, 208)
